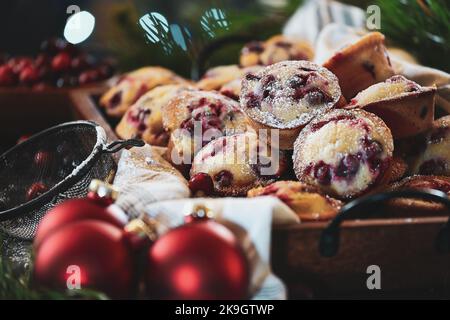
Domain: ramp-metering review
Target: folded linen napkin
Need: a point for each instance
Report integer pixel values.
(150, 187)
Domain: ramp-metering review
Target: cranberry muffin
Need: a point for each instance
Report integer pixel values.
(287, 95)
(194, 118)
(232, 89)
(406, 107)
(133, 85)
(305, 200)
(361, 64)
(435, 157)
(234, 164)
(276, 49)
(216, 77)
(406, 206)
(344, 153)
(143, 120)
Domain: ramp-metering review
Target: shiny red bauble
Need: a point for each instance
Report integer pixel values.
(86, 254)
(199, 260)
(71, 211)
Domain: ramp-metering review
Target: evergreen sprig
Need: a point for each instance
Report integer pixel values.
(15, 285)
(420, 26)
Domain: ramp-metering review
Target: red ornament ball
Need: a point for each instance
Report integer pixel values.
(86, 254)
(199, 260)
(71, 211)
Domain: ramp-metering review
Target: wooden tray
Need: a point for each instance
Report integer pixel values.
(403, 248)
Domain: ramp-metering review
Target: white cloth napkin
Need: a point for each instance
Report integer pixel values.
(150, 187)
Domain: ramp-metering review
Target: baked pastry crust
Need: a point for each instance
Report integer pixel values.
(237, 163)
(143, 120)
(361, 64)
(216, 77)
(305, 200)
(344, 153)
(287, 95)
(406, 107)
(406, 206)
(209, 112)
(276, 49)
(135, 84)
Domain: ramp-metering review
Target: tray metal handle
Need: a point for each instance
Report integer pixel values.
(118, 145)
(330, 237)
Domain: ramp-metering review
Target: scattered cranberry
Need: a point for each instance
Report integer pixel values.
(19, 63)
(224, 178)
(88, 76)
(201, 182)
(42, 158)
(42, 60)
(35, 190)
(80, 63)
(7, 76)
(66, 81)
(29, 75)
(61, 62)
(51, 46)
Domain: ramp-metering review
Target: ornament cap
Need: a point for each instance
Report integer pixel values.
(198, 212)
(102, 190)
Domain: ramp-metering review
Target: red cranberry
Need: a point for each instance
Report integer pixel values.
(348, 166)
(433, 167)
(42, 60)
(41, 86)
(251, 76)
(322, 172)
(138, 117)
(105, 70)
(116, 99)
(89, 76)
(29, 75)
(253, 101)
(201, 182)
(7, 76)
(42, 158)
(297, 81)
(268, 80)
(19, 63)
(61, 62)
(224, 178)
(372, 148)
(51, 46)
(35, 190)
(79, 63)
(66, 81)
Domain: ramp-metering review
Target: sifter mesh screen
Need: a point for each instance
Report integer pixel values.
(47, 169)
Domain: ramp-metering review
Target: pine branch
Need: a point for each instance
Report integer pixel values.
(420, 26)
